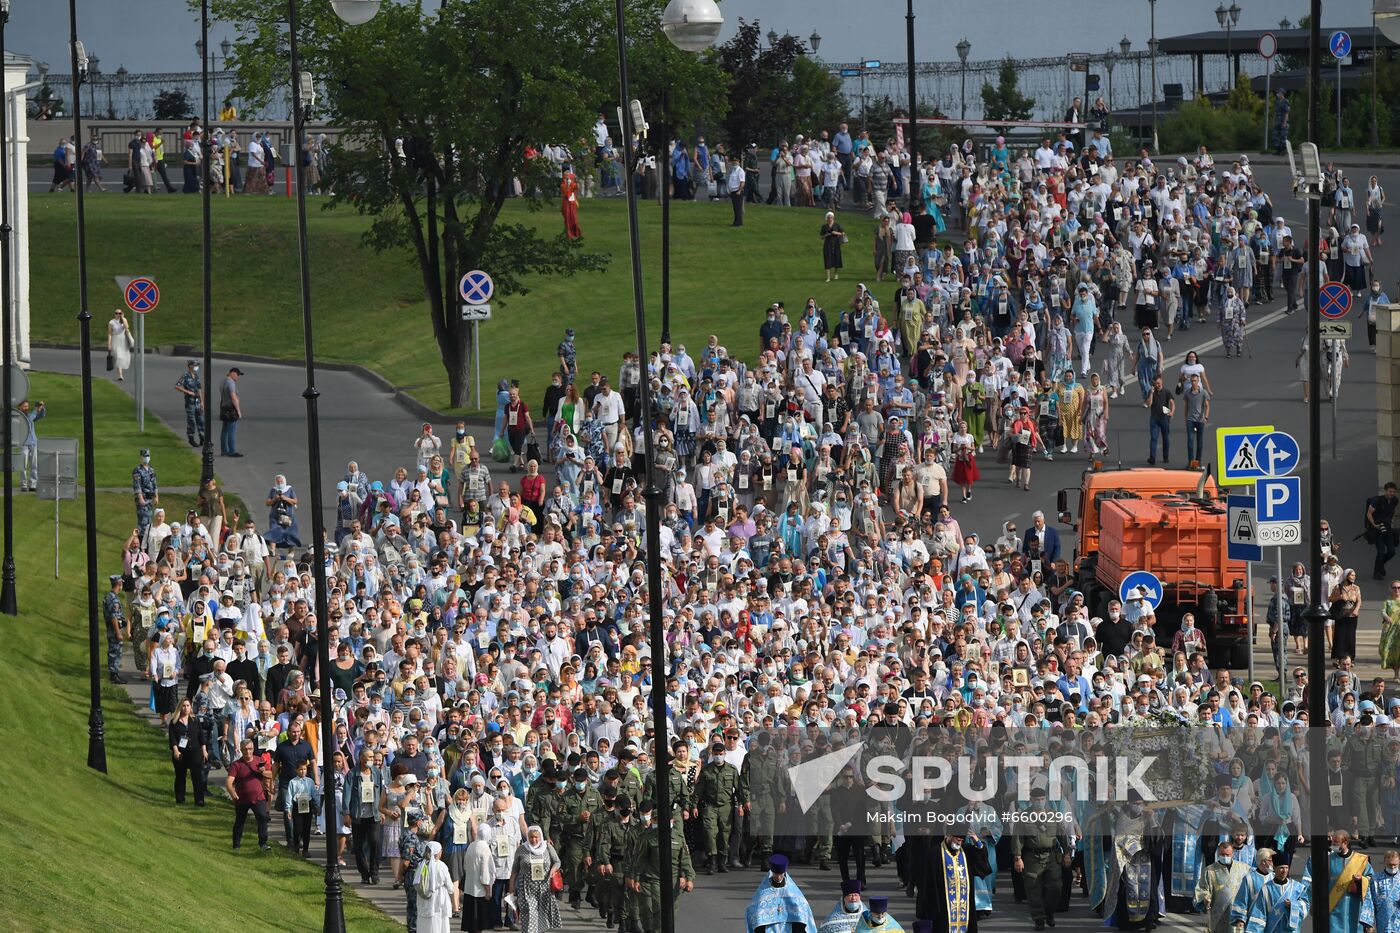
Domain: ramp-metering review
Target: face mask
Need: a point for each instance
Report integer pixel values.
(580, 785)
(855, 908)
(1392, 869)
(1223, 860)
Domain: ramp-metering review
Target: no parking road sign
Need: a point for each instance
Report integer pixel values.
(1333, 300)
(476, 287)
(141, 295)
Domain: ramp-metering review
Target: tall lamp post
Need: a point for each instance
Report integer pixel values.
(1109, 60)
(352, 12)
(206, 467)
(93, 73)
(121, 82)
(9, 599)
(913, 108)
(964, 47)
(97, 743)
(1152, 47)
(815, 41)
(1228, 20)
(691, 25)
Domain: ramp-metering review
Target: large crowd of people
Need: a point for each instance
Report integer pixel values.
(492, 660)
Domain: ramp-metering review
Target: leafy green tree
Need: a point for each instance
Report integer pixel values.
(438, 109)
(1004, 100)
(771, 96)
(173, 105)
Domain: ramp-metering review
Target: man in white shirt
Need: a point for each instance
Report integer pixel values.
(1045, 156)
(609, 411)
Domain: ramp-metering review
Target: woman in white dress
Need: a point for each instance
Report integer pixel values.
(119, 343)
(437, 896)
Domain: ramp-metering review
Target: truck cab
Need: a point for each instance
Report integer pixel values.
(1173, 524)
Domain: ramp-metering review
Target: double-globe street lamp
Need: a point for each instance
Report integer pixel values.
(691, 25)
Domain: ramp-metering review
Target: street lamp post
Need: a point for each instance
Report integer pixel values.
(97, 743)
(815, 40)
(93, 72)
(206, 468)
(964, 47)
(226, 47)
(353, 12)
(913, 108)
(691, 25)
(1109, 60)
(9, 599)
(1152, 47)
(1228, 20)
(121, 80)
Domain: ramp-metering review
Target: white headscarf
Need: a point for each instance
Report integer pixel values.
(531, 847)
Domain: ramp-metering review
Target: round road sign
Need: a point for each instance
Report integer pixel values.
(476, 287)
(141, 295)
(1268, 46)
(1333, 300)
(1339, 44)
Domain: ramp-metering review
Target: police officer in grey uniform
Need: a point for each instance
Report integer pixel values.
(146, 491)
(115, 617)
(190, 387)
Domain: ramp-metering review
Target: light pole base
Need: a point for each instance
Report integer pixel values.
(335, 901)
(97, 741)
(8, 600)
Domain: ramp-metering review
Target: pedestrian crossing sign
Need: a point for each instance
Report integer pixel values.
(1238, 454)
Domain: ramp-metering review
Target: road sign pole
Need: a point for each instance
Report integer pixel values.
(1281, 649)
(1249, 614)
(1339, 104)
(141, 372)
(1268, 74)
(476, 361)
(56, 497)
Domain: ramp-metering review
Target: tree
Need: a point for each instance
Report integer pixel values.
(441, 111)
(173, 105)
(1004, 100)
(771, 95)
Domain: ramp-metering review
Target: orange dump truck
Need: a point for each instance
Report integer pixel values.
(1172, 523)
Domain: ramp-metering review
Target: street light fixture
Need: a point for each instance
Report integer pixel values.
(652, 492)
(964, 47)
(815, 39)
(1387, 14)
(9, 599)
(772, 37)
(1228, 18)
(1125, 46)
(93, 72)
(354, 13)
(693, 25)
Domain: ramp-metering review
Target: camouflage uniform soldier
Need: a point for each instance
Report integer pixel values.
(146, 492)
(631, 784)
(675, 780)
(644, 868)
(610, 839)
(718, 793)
(189, 386)
(115, 618)
(542, 802)
(579, 804)
(761, 784)
(823, 823)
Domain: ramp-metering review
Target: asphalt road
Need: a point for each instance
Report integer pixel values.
(361, 421)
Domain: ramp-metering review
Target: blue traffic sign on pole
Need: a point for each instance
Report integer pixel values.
(1278, 454)
(1333, 300)
(1280, 499)
(1147, 582)
(1242, 529)
(476, 287)
(141, 295)
(1339, 44)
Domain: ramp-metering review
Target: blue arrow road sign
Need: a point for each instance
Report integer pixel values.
(1280, 499)
(1339, 44)
(1151, 587)
(1278, 454)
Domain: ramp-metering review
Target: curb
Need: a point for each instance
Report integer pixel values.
(398, 393)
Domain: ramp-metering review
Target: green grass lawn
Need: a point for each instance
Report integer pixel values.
(119, 441)
(83, 849)
(370, 307)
